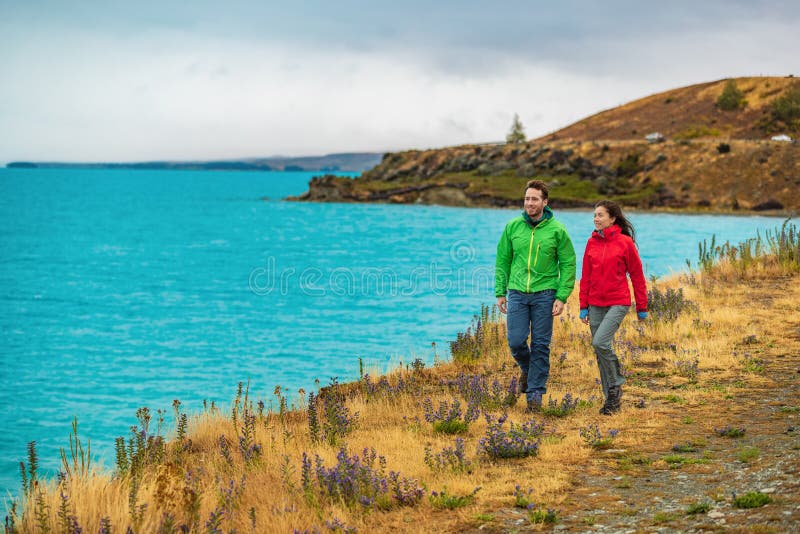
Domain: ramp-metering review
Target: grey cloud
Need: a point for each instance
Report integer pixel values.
(466, 39)
(540, 28)
(560, 61)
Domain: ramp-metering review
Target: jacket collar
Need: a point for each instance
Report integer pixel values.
(547, 214)
(609, 233)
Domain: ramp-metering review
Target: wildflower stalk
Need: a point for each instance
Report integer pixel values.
(80, 461)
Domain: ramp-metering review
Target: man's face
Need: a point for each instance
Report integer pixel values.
(534, 203)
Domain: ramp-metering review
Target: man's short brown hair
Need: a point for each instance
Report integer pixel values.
(537, 184)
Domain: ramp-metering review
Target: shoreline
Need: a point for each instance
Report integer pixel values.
(787, 214)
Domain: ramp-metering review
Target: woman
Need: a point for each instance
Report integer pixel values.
(610, 255)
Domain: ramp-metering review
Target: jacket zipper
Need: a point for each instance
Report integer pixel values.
(603, 260)
(530, 251)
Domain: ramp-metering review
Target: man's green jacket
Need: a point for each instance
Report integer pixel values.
(533, 258)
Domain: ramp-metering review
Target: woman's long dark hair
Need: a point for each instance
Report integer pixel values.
(615, 210)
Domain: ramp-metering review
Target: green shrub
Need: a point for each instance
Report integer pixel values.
(444, 501)
(542, 516)
(730, 431)
(731, 97)
(698, 508)
(629, 166)
(746, 454)
(753, 499)
(688, 446)
(786, 107)
(696, 131)
(676, 461)
(668, 305)
(664, 517)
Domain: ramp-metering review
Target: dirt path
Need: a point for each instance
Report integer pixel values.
(650, 489)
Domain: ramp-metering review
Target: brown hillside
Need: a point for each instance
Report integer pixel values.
(696, 174)
(710, 158)
(690, 112)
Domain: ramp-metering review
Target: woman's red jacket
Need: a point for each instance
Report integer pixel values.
(609, 256)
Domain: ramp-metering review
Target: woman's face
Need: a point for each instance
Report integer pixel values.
(602, 219)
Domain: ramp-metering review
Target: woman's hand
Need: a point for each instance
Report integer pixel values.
(584, 316)
(501, 304)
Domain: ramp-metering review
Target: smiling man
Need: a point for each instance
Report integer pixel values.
(534, 276)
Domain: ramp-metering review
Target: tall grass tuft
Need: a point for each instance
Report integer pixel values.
(448, 418)
(451, 458)
(33, 467)
(519, 441)
(475, 389)
(329, 418)
(667, 306)
(777, 252)
(246, 430)
(142, 448)
(567, 406)
(484, 337)
(443, 500)
(42, 512)
(357, 482)
(79, 462)
(11, 519)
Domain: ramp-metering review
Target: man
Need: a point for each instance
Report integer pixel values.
(536, 269)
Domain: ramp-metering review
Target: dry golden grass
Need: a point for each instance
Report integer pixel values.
(267, 494)
(673, 111)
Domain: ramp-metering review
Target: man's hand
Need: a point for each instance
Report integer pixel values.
(558, 307)
(501, 304)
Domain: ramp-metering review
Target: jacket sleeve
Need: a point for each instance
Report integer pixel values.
(637, 277)
(502, 267)
(566, 266)
(586, 273)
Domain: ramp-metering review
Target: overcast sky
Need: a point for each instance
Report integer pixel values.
(134, 81)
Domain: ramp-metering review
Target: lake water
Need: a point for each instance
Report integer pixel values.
(121, 289)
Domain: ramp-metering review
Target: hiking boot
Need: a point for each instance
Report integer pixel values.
(534, 403)
(613, 401)
(604, 408)
(523, 382)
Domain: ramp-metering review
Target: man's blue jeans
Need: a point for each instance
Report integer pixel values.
(531, 314)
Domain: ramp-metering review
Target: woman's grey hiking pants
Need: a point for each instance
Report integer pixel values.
(604, 322)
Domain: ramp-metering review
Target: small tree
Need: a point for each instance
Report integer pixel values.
(517, 134)
(731, 97)
(787, 107)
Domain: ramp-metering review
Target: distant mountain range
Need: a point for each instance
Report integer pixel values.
(345, 162)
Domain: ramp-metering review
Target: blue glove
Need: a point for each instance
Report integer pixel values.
(584, 314)
(642, 315)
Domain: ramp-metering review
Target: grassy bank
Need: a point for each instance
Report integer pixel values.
(445, 448)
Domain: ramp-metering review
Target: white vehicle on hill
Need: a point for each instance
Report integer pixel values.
(655, 137)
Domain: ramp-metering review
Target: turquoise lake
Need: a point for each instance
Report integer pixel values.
(121, 289)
